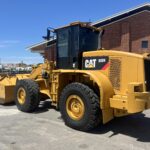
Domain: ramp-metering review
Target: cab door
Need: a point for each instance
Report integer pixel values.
(63, 48)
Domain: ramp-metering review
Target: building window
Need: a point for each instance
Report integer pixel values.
(144, 44)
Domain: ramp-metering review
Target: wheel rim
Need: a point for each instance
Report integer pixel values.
(75, 107)
(21, 95)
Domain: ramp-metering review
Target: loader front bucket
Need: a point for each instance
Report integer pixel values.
(7, 87)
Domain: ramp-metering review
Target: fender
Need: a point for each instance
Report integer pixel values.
(105, 88)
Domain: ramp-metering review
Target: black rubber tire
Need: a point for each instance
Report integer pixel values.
(32, 95)
(92, 115)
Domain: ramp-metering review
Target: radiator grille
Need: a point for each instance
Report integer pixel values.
(114, 75)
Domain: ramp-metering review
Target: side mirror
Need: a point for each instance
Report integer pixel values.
(50, 31)
(47, 37)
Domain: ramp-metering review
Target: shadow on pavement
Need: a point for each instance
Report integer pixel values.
(9, 104)
(44, 106)
(137, 126)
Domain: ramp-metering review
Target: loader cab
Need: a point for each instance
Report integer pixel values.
(72, 41)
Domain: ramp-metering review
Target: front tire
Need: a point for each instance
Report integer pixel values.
(79, 106)
(27, 95)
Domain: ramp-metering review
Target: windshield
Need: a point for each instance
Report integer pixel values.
(88, 39)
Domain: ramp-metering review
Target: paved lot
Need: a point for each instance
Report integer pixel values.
(44, 130)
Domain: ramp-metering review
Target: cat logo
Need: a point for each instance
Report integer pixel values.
(95, 63)
(90, 63)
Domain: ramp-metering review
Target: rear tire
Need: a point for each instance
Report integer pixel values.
(79, 106)
(27, 95)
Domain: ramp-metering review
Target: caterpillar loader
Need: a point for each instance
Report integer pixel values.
(89, 85)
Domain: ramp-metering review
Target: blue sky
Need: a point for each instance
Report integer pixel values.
(24, 22)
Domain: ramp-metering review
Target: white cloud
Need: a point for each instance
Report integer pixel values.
(10, 41)
(6, 43)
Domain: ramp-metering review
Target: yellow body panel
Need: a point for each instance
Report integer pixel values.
(131, 76)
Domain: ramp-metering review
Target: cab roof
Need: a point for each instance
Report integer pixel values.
(81, 24)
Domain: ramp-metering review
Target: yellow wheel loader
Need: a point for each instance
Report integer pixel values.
(89, 85)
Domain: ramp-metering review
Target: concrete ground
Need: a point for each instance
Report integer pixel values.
(44, 130)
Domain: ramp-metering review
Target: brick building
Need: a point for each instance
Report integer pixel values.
(127, 31)
(46, 49)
